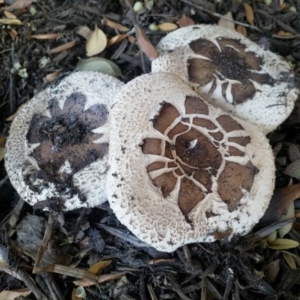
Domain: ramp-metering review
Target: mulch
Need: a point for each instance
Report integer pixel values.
(243, 268)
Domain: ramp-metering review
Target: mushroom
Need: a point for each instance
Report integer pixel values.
(242, 78)
(181, 170)
(57, 150)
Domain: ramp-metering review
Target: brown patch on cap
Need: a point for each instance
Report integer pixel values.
(218, 136)
(155, 166)
(168, 113)
(151, 146)
(232, 180)
(241, 140)
(204, 123)
(232, 62)
(67, 135)
(228, 123)
(166, 182)
(179, 128)
(189, 196)
(194, 105)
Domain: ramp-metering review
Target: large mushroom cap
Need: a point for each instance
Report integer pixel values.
(57, 149)
(182, 171)
(241, 78)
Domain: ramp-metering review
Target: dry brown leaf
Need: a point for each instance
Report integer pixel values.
(63, 47)
(290, 260)
(2, 142)
(9, 15)
(285, 33)
(279, 203)
(96, 43)
(13, 33)
(282, 6)
(52, 76)
(132, 39)
(185, 21)
(10, 21)
(241, 29)
(100, 279)
(249, 13)
(115, 25)
(1, 1)
(116, 39)
(98, 267)
(145, 43)
(19, 4)
(282, 244)
(2, 153)
(45, 36)
(167, 26)
(84, 31)
(227, 21)
(11, 295)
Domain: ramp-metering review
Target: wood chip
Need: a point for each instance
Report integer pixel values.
(116, 39)
(96, 43)
(249, 13)
(45, 36)
(10, 21)
(115, 25)
(167, 27)
(63, 47)
(185, 21)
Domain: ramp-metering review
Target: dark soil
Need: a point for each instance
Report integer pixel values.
(241, 269)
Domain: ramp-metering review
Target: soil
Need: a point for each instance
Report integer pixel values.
(244, 268)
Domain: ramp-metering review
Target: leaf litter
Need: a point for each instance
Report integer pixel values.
(245, 268)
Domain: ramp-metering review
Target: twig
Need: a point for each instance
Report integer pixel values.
(12, 93)
(219, 16)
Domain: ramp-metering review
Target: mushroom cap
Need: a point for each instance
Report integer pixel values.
(181, 170)
(57, 149)
(243, 79)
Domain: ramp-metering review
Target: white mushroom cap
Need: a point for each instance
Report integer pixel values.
(241, 78)
(182, 171)
(58, 143)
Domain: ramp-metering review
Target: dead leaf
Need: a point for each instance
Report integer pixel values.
(100, 279)
(9, 15)
(84, 31)
(282, 244)
(19, 4)
(249, 13)
(63, 47)
(115, 25)
(289, 213)
(52, 76)
(10, 21)
(13, 33)
(2, 142)
(241, 29)
(185, 21)
(132, 39)
(45, 36)
(96, 43)
(227, 21)
(279, 203)
(167, 27)
(145, 43)
(98, 267)
(271, 270)
(290, 260)
(116, 39)
(2, 153)
(285, 33)
(11, 295)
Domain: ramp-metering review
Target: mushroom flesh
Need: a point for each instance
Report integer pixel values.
(57, 150)
(181, 170)
(242, 78)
